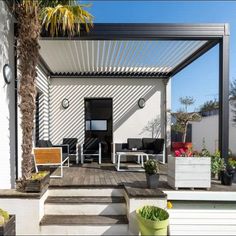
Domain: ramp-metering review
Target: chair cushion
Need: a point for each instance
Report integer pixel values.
(148, 143)
(121, 147)
(49, 143)
(42, 143)
(91, 144)
(149, 151)
(72, 144)
(158, 145)
(64, 156)
(135, 143)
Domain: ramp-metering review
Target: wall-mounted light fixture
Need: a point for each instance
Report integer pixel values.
(65, 103)
(7, 74)
(141, 102)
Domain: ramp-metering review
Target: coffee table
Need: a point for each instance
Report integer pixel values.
(139, 156)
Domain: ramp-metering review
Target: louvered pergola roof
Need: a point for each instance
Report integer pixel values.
(140, 50)
(116, 57)
(128, 50)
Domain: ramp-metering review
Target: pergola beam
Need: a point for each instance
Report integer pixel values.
(224, 97)
(136, 31)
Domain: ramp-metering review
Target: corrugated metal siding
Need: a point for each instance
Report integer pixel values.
(202, 218)
(42, 84)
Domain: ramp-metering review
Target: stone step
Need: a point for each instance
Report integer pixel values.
(91, 191)
(84, 225)
(85, 205)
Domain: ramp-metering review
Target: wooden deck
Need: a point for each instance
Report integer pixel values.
(106, 175)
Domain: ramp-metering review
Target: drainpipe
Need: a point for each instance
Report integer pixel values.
(165, 151)
(16, 103)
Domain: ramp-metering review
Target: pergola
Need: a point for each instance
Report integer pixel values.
(140, 50)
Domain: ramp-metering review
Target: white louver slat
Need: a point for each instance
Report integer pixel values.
(116, 57)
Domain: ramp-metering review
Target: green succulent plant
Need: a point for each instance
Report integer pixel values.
(153, 213)
(151, 167)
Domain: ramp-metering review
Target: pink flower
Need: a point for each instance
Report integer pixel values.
(177, 153)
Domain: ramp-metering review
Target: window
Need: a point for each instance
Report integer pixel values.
(96, 125)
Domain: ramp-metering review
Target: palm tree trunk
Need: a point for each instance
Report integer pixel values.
(28, 54)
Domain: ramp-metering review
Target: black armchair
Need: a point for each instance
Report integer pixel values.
(73, 147)
(91, 147)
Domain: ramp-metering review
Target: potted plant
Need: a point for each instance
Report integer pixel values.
(152, 173)
(152, 220)
(217, 165)
(37, 183)
(232, 162)
(7, 223)
(227, 172)
(189, 169)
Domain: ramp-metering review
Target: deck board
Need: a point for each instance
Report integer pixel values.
(106, 175)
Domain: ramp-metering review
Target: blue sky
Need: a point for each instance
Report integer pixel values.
(200, 79)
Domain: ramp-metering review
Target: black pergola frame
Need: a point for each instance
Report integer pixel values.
(213, 33)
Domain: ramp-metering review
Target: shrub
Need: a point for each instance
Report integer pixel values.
(217, 163)
(40, 175)
(153, 213)
(4, 216)
(151, 167)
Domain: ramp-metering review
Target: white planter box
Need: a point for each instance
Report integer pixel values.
(189, 172)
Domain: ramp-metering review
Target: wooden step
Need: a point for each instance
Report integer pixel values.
(83, 200)
(83, 220)
(84, 192)
(76, 205)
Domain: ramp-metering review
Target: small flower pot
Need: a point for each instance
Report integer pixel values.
(152, 180)
(9, 228)
(227, 178)
(149, 227)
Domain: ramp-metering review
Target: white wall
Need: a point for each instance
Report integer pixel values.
(208, 128)
(128, 119)
(42, 84)
(28, 212)
(7, 104)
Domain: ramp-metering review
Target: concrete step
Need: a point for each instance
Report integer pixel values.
(91, 191)
(84, 225)
(75, 205)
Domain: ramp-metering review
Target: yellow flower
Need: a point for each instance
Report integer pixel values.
(169, 205)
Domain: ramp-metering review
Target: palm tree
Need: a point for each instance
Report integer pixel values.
(55, 16)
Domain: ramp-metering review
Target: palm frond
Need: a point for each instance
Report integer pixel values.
(65, 18)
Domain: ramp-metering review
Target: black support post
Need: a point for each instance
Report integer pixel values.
(224, 97)
(165, 151)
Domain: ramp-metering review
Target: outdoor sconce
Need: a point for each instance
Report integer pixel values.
(7, 74)
(65, 103)
(141, 102)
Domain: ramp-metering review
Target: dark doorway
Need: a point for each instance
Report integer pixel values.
(98, 123)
